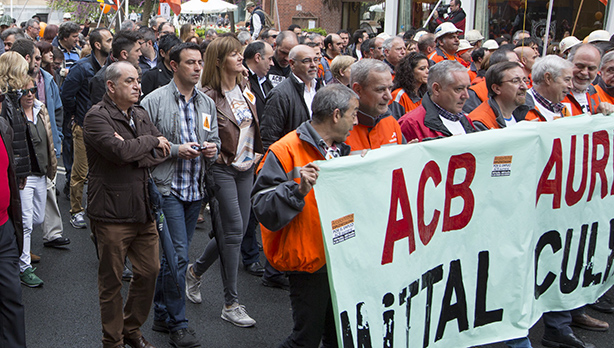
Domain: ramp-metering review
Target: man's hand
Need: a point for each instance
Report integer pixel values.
(605, 108)
(22, 182)
(209, 149)
(309, 175)
(118, 136)
(187, 152)
(164, 145)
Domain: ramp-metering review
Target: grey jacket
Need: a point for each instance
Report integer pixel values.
(163, 108)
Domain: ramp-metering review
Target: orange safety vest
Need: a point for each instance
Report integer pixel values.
(386, 132)
(472, 75)
(436, 57)
(399, 96)
(576, 109)
(484, 114)
(534, 114)
(603, 95)
(298, 246)
(481, 90)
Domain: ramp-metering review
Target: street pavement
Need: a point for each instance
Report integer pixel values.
(65, 313)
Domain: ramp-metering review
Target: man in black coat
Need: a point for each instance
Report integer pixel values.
(258, 58)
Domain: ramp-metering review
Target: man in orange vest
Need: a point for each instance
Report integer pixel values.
(605, 86)
(527, 57)
(372, 82)
(583, 97)
(507, 89)
(447, 39)
(285, 205)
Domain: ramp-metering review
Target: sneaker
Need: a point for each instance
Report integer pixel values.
(29, 279)
(192, 286)
(183, 338)
(78, 220)
(237, 315)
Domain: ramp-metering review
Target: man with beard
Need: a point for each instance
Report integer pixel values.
(48, 93)
(286, 40)
(76, 100)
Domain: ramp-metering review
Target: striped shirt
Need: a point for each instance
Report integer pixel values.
(186, 180)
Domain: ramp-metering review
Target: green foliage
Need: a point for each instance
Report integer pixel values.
(202, 31)
(80, 10)
(316, 30)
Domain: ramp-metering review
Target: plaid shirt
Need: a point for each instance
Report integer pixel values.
(186, 180)
(448, 115)
(552, 107)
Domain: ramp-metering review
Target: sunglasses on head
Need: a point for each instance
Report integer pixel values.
(32, 90)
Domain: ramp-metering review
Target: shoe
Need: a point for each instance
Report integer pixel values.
(192, 286)
(587, 322)
(29, 279)
(280, 282)
(603, 305)
(140, 342)
(127, 274)
(255, 269)
(160, 326)
(567, 341)
(183, 338)
(34, 258)
(56, 243)
(237, 315)
(78, 220)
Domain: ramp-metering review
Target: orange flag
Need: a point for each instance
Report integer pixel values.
(605, 2)
(175, 5)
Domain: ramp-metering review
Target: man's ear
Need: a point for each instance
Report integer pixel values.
(174, 66)
(110, 86)
(28, 58)
(123, 55)
(357, 88)
(337, 115)
(436, 88)
(496, 88)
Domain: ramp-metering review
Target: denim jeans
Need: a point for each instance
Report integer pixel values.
(523, 342)
(169, 301)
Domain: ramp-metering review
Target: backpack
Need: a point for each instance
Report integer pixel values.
(268, 21)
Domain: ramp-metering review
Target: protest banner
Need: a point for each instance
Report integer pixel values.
(467, 240)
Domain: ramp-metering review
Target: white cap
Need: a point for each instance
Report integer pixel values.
(463, 45)
(490, 45)
(568, 43)
(67, 15)
(473, 36)
(446, 28)
(420, 34)
(384, 36)
(597, 35)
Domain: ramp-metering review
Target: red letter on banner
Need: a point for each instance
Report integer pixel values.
(431, 170)
(398, 229)
(552, 187)
(467, 161)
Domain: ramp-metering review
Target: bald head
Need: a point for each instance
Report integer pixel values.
(586, 59)
(303, 62)
(285, 41)
(527, 57)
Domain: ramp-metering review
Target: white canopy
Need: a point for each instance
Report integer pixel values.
(211, 6)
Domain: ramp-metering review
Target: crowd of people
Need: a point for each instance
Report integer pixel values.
(230, 125)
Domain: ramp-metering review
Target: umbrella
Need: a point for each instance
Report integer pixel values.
(170, 257)
(211, 6)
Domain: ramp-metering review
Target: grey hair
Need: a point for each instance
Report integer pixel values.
(152, 21)
(244, 37)
(362, 68)
(387, 45)
(517, 34)
(572, 52)
(31, 22)
(330, 98)
(13, 31)
(608, 57)
(442, 73)
(113, 72)
(127, 25)
(313, 36)
(551, 64)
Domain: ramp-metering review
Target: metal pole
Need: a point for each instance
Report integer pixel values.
(101, 14)
(548, 21)
(432, 13)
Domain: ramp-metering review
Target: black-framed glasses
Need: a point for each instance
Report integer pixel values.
(32, 90)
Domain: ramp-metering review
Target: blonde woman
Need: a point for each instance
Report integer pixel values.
(234, 170)
(44, 164)
(341, 68)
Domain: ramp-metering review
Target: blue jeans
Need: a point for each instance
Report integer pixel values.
(523, 342)
(169, 302)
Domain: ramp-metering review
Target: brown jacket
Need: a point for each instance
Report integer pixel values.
(118, 173)
(228, 129)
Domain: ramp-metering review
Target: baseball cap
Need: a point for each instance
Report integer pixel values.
(463, 45)
(597, 35)
(473, 36)
(568, 43)
(490, 45)
(67, 15)
(6, 20)
(446, 28)
(250, 4)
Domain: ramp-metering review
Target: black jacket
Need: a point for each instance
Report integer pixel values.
(157, 77)
(11, 111)
(284, 111)
(255, 88)
(277, 74)
(75, 90)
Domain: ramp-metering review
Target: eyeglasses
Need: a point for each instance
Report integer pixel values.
(315, 61)
(273, 36)
(32, 90)
(517, 80)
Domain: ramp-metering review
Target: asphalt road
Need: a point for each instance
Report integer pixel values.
(65, 313)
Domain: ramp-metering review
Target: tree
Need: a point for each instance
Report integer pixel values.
(80, 10)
